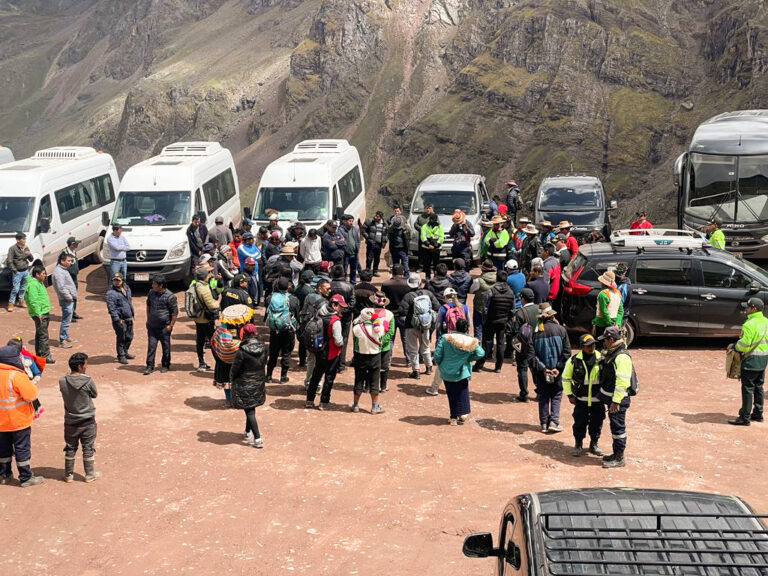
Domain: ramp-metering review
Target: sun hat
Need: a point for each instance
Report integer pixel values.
(497, 220)
(546, 310)
(564, 224)
(524, 220)
(608, 278)
(289, 249)
(414, 280)
(530, 229)
(546, 224)
(511, 183)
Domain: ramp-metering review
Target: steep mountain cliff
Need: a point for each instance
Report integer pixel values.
(506, 88)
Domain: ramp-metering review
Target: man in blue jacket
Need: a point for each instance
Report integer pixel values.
(120, 308)
(551, 350)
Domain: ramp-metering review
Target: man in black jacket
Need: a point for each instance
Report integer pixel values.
(120, 308)
(313, 303)
(439, 283)
(334, 244)
(539, 284)
(197, 234)
(398, 241)
(237, 293)
(162, 312)
(498, 307)
(375, 233)
(363, 292)
(347, 290)
(395, 290)
(523, 325)
(460, 280)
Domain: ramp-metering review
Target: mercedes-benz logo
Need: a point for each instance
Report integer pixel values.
(141, 255)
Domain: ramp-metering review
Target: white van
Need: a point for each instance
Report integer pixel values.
(318, 181)
(57, 193)
(6, 155)
(447, 192)
(158, 198)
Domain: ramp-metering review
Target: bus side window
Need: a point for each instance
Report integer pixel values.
(44, 213)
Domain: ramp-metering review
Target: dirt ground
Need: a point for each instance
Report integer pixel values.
(334, 492)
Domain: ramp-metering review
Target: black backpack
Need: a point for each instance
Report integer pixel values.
(314, 333)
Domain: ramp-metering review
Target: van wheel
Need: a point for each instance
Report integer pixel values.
(98, 256)
(628, 332)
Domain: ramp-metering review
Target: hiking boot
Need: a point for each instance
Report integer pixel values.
(377, 410)
(428, 371)
(164, 369)
(594, 449)
(756, 418)
(130, 356)
(284, 379)
(69, 470)
(22, 303)
(6, 479)
(739, 421)
(431, 391)
(609, 457)
(33, 481)
(355, 408)
(414, 375)
(578, 450)
(555, 427)
(616, 462)
(10, 307)
(90, 475)
(148, 370)
(544, 428)
(309, 405)
(257, 443)
(122, 360)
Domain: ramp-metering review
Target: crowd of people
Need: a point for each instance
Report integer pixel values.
(306, 282)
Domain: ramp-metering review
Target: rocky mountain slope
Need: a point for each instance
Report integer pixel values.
(506, 88)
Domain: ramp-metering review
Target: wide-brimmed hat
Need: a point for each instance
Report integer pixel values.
(530, 229)
(511, 183)
(546, 224)
(379, 300)
(546, 310)
(414, 280)
(289, 249)
(458, 216)
(564, 224)
(523, 220)
(608, 278)
(497, 220)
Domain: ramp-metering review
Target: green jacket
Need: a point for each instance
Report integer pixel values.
(454, 355)
(591, 378)
(495, 242)
(604, 317)
(753, 342)
(386, 339)
(435, 232)
(717, 239)
(36, 298)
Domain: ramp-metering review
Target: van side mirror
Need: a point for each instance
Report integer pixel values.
(479, 545)
(755, 287)
(613, 205)
(44, 225)
(105, 218)
(247, 213)
(338, 214)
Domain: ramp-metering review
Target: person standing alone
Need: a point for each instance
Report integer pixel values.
(17, 262)
(78, 391)
(66, 290)
(118, 247)
(551, 350)
(120, 308)
(162, 312)
(753, 346)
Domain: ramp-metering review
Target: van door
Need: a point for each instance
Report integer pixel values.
(46, 239)
(723, 290)
(513, 550)
(199, 207)
(665, 296)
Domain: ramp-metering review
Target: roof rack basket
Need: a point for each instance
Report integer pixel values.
(597, 544)
(642, 238)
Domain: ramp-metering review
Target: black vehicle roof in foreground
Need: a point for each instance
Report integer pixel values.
(600, 249)
(599, 531)
(743, 132)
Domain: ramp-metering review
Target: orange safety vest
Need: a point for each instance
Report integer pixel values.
(16, 394)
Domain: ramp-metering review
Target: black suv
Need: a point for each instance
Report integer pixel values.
(675, 291)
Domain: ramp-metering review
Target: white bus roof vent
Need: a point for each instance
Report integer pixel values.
(191, 149)
(659, 237)
(327, 146)
(64, 153)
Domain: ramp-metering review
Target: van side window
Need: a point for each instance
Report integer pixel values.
(674, 272)
(350, 186)
(71, 202)
(44, 212)
(105, 191)
(218, 190)
(198, 202)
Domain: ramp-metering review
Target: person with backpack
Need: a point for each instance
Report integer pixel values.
(380, 304)
(617, 383)
(203, 308)
(498, 307)
(310, 329)
(450, 312)
(419, 311)
(327, 353)
(367, 331)
(346, 289)
(551, 349)
(479, 288)
(460, 280)
(522, 339)
(581, 386)
(301, 292)
(281, 319)
(454, 355)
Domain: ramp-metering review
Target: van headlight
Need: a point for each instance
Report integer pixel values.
(177, 251)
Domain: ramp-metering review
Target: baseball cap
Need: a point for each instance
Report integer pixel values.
(247, 236)
(450, 292)
(325, 266)
(561, 237)
(207, 247)
(611, 332)
(511, 264)
(250, 260)
(756, 302)
(339, 299)
(219, 220)
(527, 294)
(587, 340)
(72, 240)
(205, 258)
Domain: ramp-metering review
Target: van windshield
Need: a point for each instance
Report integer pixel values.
(15, 214)
(301, 203)
(445, 202)
(564, 198)
(153, 209)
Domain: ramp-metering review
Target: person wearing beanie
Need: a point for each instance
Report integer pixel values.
(205, 323)
(282, 319)
(479, 288)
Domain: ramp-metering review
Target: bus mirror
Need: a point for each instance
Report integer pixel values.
(614, 205)
(479, 545)
(679, 168)
(105, 218)
(247, 213)
(338, 213)
(44, 225)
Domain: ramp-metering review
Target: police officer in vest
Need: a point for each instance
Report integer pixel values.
(580, 384)
(615, 378)
(753, 345)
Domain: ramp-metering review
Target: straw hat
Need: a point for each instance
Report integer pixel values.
(289, 249)
(458, 216)
(497, 220)
(564, 224)
(546, 224)
(546, 310)
(523, 220)
(608, 278)
(530, 229)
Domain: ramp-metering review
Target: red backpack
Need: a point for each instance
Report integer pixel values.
(452, 315)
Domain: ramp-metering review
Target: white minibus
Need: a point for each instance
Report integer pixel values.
(57, 193)
(6, 155)
(318, 181)
(158, 198)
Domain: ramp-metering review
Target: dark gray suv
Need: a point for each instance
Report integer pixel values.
(675, 291)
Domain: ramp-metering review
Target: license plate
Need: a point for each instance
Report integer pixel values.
(141, 277)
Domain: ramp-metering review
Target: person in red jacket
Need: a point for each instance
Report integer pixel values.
(641, 223)
(570, 240)
(328, 361)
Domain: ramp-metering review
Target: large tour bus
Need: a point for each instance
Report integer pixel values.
(57, 193)
(158, 198)
(318, 181)
(724, 176)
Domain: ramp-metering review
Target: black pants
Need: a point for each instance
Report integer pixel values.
(588, 417)
(203, 334)
(372, 257)
(493, 332)
(522, 374)
(367, 373)
(20, 444)
(346, 326)
(42, 348)
(83, 434)
(280, 344)
(618, 423)
(752, 393)
(428, 260)
(250, 423)
(123, 337)
(155, 335)
(327, 368)
(302, 353)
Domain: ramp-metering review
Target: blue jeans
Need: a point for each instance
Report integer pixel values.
(19, 287)
(66, 319)
(477, 324)
(351, 264)
(118, 266)
(401, 257)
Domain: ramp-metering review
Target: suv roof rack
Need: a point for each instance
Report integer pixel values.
(644, 238)
(654, 543)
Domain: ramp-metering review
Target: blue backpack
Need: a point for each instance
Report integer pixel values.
(279, 317)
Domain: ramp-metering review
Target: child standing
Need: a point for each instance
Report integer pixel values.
(78, 391)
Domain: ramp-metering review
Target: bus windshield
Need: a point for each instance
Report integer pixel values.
(300, 203)
(15, 214)
(445, 202)
(153, 209)
(727, 188)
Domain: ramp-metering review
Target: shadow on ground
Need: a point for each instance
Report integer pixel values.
(510, 427)
(205, 403)
(425, 420)
(220, 438)
(560, 452)
(703, 417)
